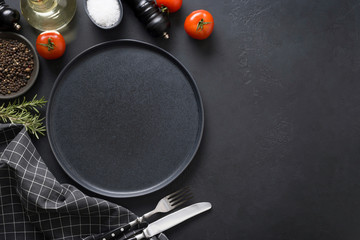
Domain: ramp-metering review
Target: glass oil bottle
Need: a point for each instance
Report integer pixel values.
(47, 15)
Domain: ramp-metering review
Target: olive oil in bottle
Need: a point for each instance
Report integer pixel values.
(47, 15)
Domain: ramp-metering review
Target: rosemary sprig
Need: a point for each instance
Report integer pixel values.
(25, 113)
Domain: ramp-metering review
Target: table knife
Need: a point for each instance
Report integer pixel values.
(172, 219)
(165, 223)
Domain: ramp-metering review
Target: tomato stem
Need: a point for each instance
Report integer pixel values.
(200, 25)
(164, 9)
(50, 45)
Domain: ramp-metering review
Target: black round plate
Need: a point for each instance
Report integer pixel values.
(124, 118)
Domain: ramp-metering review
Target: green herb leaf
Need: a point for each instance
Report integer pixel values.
(25, 113)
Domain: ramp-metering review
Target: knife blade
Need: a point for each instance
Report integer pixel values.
(172, 220)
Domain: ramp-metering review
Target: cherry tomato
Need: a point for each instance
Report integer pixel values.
(169, 5)
(199, 24)
(50, 45)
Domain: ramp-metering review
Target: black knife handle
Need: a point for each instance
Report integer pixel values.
(116, 232)
(125, 228)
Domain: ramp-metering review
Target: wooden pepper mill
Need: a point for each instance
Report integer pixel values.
(9, 18)
(156, 21)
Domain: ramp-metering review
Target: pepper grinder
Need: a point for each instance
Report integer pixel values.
(9, 17)
(156, 22)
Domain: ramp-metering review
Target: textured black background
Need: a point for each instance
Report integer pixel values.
(280, 84)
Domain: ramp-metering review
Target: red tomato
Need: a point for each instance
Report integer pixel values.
(169, 5)
(50, 45)
(199, 24)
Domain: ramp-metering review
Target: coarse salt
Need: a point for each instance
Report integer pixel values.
(104, 12)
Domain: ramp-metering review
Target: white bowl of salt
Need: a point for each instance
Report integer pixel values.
(105, 14)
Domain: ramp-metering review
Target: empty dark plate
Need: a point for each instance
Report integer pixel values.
(124, 118)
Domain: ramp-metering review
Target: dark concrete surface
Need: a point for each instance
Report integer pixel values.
(279, 159)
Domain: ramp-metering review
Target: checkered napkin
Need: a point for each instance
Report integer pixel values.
(34, 205)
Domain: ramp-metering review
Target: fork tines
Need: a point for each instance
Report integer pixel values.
(180, 197)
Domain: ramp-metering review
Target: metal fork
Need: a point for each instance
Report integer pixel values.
(166, 204)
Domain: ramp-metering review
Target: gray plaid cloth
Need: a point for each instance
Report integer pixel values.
(34, 205)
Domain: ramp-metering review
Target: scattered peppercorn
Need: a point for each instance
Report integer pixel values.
(16, 65)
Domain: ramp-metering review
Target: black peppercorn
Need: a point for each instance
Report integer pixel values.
(16, 65)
